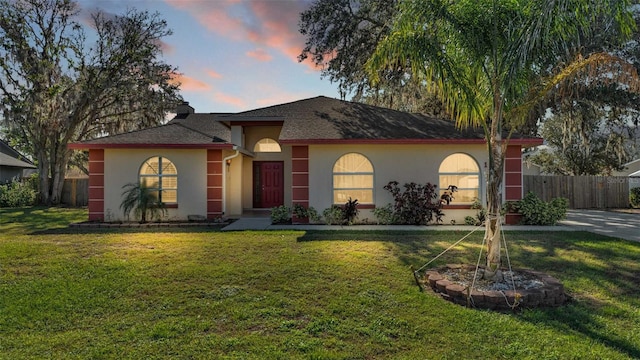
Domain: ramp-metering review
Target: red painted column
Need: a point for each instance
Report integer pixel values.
(513, 179)
(300, 178)
(214, 184)
(96, 185)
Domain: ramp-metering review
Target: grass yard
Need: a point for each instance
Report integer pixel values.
(200, 294)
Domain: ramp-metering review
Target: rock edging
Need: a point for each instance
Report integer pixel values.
(549, 294)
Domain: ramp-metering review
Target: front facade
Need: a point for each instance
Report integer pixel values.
(317, 153)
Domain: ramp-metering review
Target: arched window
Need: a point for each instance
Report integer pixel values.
(353, 178)
(161, 176)
(462, 171)
(267, 145)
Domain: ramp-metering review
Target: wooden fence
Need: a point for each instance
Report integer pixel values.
(75, 192)
(583, 192)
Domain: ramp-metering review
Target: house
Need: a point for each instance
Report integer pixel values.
(13, 165)
(632, 170)
(314, 152)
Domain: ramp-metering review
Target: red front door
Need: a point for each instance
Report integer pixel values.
(268, 184)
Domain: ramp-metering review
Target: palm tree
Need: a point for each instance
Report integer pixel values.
(487, 60)
(142, 200)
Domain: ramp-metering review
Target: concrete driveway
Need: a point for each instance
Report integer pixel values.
(615, 224)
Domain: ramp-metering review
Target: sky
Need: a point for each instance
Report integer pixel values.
(233, 55)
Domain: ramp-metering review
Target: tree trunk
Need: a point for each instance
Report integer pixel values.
(58, 171)
(493, 223)
(43, 175)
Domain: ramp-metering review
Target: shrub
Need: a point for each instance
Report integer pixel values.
(333, 215)
(385, 215)
(280, 214)
(470, 220)
(481, 214)
(310, 213)
(634, 197)
(537, 212)
(350, 211)
(417, 204)
(17, 194)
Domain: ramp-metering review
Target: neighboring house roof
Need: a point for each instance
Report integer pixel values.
(632, 168)
(315, 120)
(10, 157)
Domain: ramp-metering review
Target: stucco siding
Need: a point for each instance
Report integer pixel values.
(122, 166)
(402, 163)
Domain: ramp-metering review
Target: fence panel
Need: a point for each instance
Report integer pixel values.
(583, 192)
(75, 192)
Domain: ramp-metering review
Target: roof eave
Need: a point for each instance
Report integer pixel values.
(81, 146)
(524, 142)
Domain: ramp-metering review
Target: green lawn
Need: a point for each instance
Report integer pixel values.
(201, 294)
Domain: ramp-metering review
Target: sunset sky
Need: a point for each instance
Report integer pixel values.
(234, 55)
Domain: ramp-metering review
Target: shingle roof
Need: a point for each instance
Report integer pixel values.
(331, 119)
(319, 119)
(7, 160)
(198, 129)
(10, 157)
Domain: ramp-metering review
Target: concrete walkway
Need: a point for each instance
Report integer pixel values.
(621, 225)
(615, 224)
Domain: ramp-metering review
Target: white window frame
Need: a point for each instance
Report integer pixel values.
(343, 173)
(160, 176)
(443, 187)
(268, 141)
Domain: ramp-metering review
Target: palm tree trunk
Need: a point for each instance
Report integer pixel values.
(493, 222)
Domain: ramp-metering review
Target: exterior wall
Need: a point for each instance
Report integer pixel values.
(122, 166)
(252, 135)
(215, 184)
(513, 179)
(9, 174)
(234, 175)
(96, 185)
(300, 178)
(402, 163)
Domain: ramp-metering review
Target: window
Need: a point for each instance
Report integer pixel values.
(462, 171)
(353, 178)
(267, 145)
(161, 176)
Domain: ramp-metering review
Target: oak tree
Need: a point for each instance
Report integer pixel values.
(63, 81)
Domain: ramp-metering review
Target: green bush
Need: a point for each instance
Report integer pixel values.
(280, 214)
(537, 212)
(17, 194)
(634, 197)
(333, 215)
(385, 215)
(310, 213)
(470, 220)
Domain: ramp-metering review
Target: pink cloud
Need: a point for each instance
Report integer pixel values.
(267, 24)
(213, 74)
(190, 84)
(229, 99)
(260, 55)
